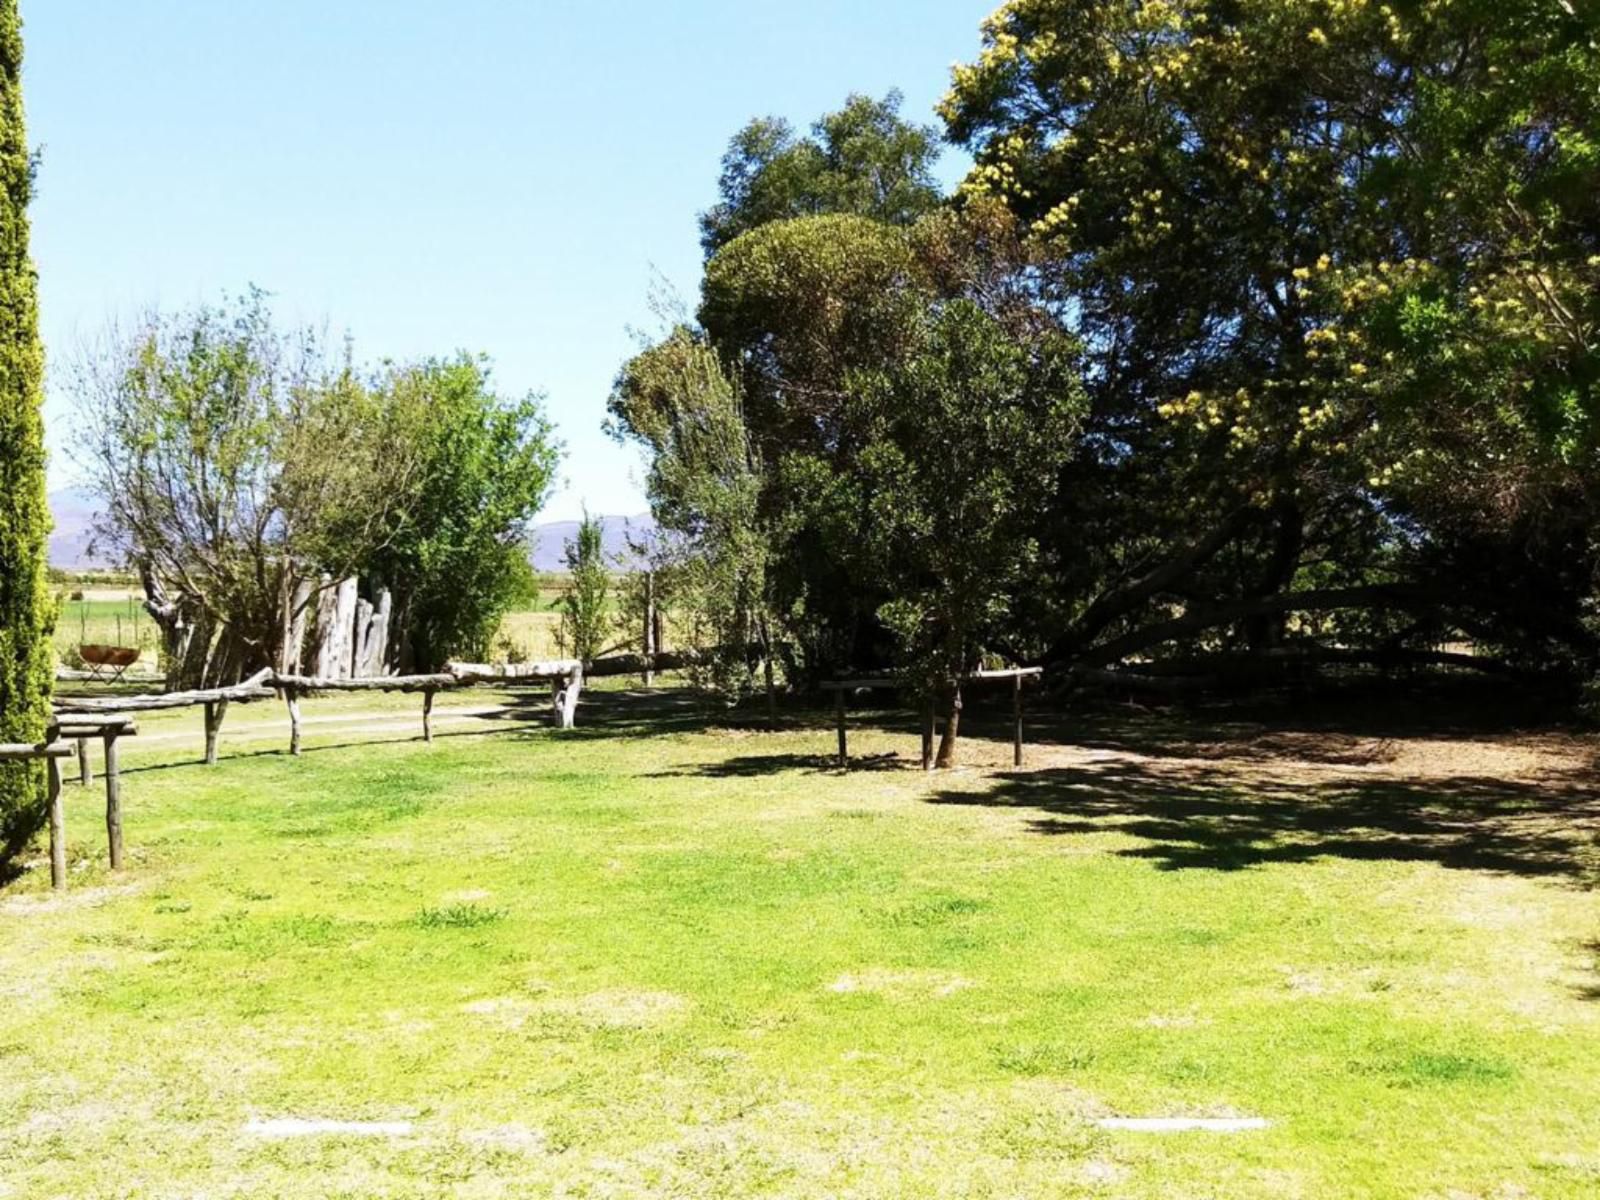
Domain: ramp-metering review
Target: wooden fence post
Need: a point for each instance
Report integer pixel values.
(838, 714)
(650, 629)
(113, 802)
(58, 826)
(427, 715)
(85, 767)
(291, 697)
(215, 712)
(567, 699)
(1016, 704)
(927, 734)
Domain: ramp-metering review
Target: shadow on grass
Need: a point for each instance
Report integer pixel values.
(752, 766)
(1356, 725)
(1192, 816)
(636, 712)
(310, 751)
(526, 715)
(1591, 990)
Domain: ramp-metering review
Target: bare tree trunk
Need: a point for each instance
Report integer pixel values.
(952, 729)
(177, 633)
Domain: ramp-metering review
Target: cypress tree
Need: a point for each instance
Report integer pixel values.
(27, 616)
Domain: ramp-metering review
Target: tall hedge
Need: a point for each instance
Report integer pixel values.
(26, 609)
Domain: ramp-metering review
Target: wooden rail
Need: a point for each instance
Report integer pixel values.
(565, 676)
(841, 687)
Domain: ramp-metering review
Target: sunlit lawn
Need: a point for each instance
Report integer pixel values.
(658, 959)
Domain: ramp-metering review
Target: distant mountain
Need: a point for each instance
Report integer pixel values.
(75, 510)
(550, 541)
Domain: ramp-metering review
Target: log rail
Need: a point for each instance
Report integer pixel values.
(565, 677)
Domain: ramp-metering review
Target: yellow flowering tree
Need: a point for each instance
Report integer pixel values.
(1334, 263)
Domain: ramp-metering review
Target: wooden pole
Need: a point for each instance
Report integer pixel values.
(58, 827)
(113, 802)
(216, 710)
(85, 766)
(650, 629)
(291, 697)
(838, 714)
(427, 715)
(1016, 704)
(927, 734)
(567, 709)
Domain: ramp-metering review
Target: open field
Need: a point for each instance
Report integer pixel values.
(114, 616)
(658, 956)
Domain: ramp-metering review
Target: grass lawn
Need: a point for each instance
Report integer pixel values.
(657, 958)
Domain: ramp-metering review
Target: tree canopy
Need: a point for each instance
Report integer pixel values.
(863, 159)
(1334, 265)
(1272, 324)
(245, 469)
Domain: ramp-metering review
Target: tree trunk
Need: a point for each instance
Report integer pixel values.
(952, 730)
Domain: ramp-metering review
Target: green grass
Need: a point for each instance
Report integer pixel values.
(695, 963)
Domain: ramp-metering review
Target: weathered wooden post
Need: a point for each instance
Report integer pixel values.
(427, 715)
(567, 699)
(52, 752)
(650, 629)
(113, 800)
(85, 767)
(216, 710)
(1016, 704)
(58, 827)
(838, 715)
(291, 697)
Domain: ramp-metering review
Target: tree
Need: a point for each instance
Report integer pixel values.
(966, 441)
(456, 556)
(1332, 265)
(27, 614)
(239, 467)
(585, 618)
(862, 160)
(705, 485)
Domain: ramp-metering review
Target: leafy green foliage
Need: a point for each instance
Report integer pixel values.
(585, 614)
(27, 612)
(237, 464)
(1335, 267)
(705, 485)
(456, 555)
(863, 159)
(967, 440)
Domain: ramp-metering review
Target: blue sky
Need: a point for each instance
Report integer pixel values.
(503, 176)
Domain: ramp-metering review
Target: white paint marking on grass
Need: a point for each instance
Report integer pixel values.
(1183, 1124)
(287, 1127)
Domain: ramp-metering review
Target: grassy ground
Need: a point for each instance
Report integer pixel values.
(657, 957)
